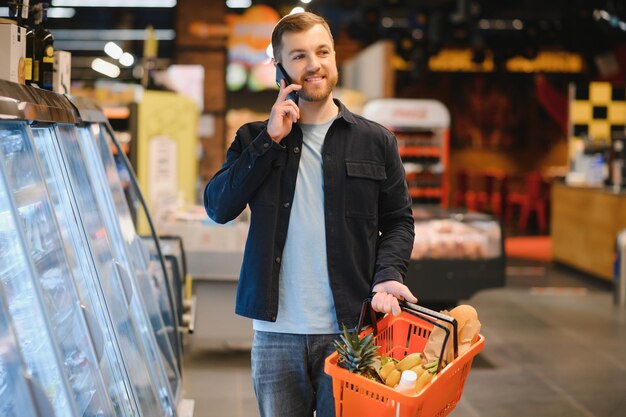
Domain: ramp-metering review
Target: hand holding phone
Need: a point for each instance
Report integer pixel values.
(281, 74)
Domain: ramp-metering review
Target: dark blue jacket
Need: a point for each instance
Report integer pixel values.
(367, 208)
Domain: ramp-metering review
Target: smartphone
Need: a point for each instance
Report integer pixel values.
(281, 74)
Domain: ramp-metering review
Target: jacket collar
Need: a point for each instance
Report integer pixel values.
(344, 113)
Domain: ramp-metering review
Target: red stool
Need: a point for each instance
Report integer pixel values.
(498, 184)
(533, 198)
(482, 191)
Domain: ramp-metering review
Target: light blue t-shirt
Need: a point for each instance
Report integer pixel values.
(305, 300)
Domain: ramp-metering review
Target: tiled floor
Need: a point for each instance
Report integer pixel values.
(548, 353)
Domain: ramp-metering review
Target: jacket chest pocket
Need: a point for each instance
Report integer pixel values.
(363, 179)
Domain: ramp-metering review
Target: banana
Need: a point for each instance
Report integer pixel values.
(409, 361)
(422, 381)
(393, 378)
(419, 370)
(386, 369)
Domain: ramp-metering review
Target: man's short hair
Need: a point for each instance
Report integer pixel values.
(297, 22)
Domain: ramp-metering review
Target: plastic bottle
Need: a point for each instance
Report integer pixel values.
(407, 382)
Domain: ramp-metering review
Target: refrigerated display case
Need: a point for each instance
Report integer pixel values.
(96, 150)
(455, 254)
(37, 343)
(139, 286)
(128, 387)
(51, 272)
(20, 395)
(97, 145)
(97, 140)
(86, 233)
(176, 263)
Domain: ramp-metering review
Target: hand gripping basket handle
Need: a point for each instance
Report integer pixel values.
(424, 314)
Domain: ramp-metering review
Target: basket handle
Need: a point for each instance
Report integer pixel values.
(424, 314)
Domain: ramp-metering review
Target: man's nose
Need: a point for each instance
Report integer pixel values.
(313, 64)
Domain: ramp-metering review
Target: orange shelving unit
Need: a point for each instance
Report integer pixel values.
(422, 128)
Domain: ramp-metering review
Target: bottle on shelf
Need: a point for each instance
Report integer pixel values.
(44, 48)
(30, 59)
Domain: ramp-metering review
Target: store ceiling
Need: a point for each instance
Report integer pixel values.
(414, 24)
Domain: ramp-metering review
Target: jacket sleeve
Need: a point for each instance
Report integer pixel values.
(248, 161)
(397, 233)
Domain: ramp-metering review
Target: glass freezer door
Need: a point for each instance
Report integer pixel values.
(97, 151)
(36, 340)
(133, 254)
(85, 273)
(59, 295)
(122, 293)
(15, 394)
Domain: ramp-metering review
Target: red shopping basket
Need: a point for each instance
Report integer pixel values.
(397, 336)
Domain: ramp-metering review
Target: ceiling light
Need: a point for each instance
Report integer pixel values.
(61, 12)
(296, 10)
(67, 45)
(53, 12)
(115, 3)
(500, 24)
(127, 59)
(111, 34)
(106, 68)
(305, 1)
(601, 14)
(113, 50)
(238, 4)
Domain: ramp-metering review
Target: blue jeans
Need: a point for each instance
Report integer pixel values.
(288, 374)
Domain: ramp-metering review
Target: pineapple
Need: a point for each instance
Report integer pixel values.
(357, 355)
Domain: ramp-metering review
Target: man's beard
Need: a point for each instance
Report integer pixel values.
(321, 94)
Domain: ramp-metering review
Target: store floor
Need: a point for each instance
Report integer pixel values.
(555, 347)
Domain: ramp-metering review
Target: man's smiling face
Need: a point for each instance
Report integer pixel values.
(309, 58)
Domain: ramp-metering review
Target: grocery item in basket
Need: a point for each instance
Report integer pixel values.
(468, 328)
(358, 355)
(391, 370)
(399, 337)
(407, 382)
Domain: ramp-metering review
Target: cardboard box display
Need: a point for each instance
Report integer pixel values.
(62, 74)
(13, 51)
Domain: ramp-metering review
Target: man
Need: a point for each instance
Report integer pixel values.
(330, 222)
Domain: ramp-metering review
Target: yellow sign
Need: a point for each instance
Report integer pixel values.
(547, 61)
(167, 151)
(459, 60)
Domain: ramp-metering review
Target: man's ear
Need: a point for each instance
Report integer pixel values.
(274, 62)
